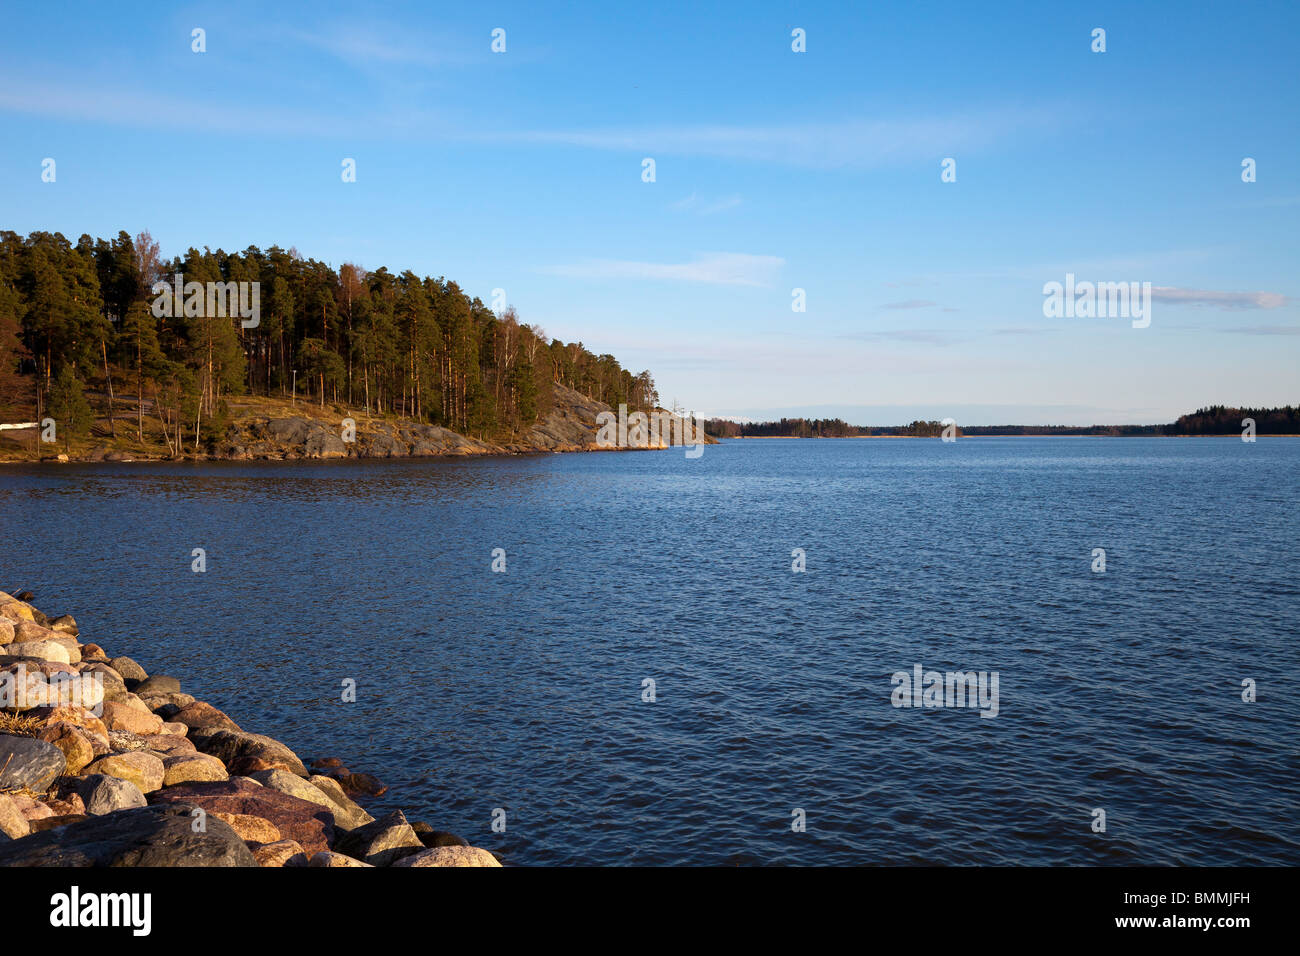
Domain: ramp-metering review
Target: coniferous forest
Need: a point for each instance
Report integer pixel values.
(1212, 420)
(78, 330)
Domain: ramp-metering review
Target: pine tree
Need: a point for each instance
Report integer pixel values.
(68, 406)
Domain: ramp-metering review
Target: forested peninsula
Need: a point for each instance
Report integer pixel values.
(267, 354)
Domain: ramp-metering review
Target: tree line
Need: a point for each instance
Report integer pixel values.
(1213, 420)
(77, 316)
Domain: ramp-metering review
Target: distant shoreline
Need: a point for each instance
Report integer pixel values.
(1007, 435)
(1210, 421)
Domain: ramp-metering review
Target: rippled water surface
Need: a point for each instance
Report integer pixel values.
(523, 690)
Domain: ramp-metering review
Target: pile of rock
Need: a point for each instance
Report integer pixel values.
(131, 771)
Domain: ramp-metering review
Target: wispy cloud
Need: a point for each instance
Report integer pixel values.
(857, 143)
(910, 304)
(924, 336)
(706, 207)
(365, 44)
(716, 268)
(1222, 300)
(1267, 330)
(97, 103)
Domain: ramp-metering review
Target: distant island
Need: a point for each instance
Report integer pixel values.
(1213, 420)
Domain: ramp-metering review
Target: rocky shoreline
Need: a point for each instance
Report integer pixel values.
(303, 432)
(103, 764)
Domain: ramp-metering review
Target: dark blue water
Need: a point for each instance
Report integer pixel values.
(523, 690)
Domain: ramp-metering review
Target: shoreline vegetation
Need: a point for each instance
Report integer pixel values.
(103, 764)
(130, 354)
(1214, 420)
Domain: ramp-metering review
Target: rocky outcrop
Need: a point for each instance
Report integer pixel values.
(146, 775)
(570, 425)
(147, 836)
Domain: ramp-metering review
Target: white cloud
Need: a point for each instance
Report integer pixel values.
(383, 44)
(716, 268)
(97, 103)
(910, 304)
(1223, 300)
(1267, 330)
(706, 207)
(855, 143)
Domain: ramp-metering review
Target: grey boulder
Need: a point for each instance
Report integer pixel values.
(149, 836)
(28, 762)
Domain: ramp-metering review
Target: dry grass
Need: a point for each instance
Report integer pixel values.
(16, 725)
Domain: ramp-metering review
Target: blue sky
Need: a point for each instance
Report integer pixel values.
(774, 170)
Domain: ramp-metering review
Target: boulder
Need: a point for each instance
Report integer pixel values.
(450, 856)
(193, 768)
(290, 431)
(325, 444)
(167, 706)
(17, 611)
(201, 714)
(308, 823)
(31, 809)
(65, 803)
(147, 836)
(25, 631)
(6, 631)
(12, 822)
(124, 715)
(431, 837)
(280, 853)
(102, 794)
(114, 686)
(40, 650)
(123, 741)
(141, 768)
(384, 446)
(380, 842)
(248, 765)
(65, 623)
(26, 762)
(128, 668)
(251, 829)
(231, 745)
(326, 858)
(75, 744)
(93, 652)
(347, 815)
(132, 701)
(362, 784)
(158, 685)
(91, 726)
(169, 744)
(69, 644)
